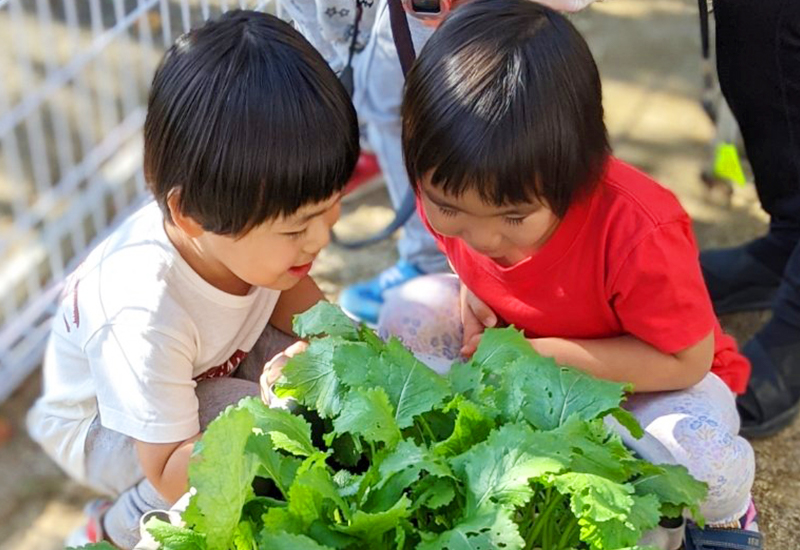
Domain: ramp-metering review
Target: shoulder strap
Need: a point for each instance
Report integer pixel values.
(405, 51)
(402, 35)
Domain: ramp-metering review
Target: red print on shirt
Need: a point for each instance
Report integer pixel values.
(70, 289)
(225, 368)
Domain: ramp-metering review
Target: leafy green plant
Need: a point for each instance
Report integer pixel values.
(509, 450)
(96, 546)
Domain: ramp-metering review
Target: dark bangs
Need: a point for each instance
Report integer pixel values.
(247, 120)
(505, 99)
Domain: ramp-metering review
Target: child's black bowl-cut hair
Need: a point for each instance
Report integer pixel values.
(246, 119)
(505, 99)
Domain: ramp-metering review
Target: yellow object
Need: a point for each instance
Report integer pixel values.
(727, 165)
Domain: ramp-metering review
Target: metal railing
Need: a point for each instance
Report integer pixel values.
(74, 76)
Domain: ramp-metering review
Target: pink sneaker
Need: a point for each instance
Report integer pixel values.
(92, 530)
(366, 177)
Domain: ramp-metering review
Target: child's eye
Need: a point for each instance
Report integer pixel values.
(449, 212)
(514, 221)
(296, 234)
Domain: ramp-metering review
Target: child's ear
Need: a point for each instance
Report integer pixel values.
(186, 223)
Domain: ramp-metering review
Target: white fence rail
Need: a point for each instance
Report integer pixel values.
(74, 76)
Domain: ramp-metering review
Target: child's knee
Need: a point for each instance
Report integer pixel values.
(721, 459)
(431, 292)
(424, 314)
(216, 394)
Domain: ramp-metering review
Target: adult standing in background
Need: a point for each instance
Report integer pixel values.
(758, 61)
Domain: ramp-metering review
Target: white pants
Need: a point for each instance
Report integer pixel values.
(378, 93)
(697, 427)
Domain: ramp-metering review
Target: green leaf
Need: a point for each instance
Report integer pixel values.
(628, 421)
(277, 520)
(489, 531)
(368, 336)
(388, 491)
(595, 497)
(410, 456)
(466, 378)
(369, 414)
(325, 535)
(621, 533)
(372, 527)
(286, 541)
(288, 431)
(324, 318)
(95, 546)
(310, 378)
(352, 360)
(273, 465)
(222, 473)
(500, 347)
(244, 537)
(310, 491)
(412, 387)
(347, 483)
(433, 492)
(471, 427)
(547, 394)
(498, 471)
(400, 469)
(674, 487)
(439, 425)
(596, 450)
(347, 450)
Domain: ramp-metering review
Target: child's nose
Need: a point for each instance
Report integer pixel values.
(484, 242)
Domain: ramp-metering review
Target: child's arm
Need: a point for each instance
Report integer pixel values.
(166, 466)
(296, 300)
(628, 359)
(622, 359)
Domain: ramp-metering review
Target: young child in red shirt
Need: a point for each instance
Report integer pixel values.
(504, 139)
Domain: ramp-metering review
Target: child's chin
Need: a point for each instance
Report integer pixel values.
(287, 282)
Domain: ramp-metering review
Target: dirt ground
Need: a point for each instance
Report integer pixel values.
(649, 56)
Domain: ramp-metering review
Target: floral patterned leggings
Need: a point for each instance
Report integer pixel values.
(697, 427)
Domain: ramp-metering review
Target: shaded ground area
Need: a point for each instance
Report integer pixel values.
(649, 58)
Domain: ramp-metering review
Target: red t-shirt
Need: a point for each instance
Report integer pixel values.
(622, 261)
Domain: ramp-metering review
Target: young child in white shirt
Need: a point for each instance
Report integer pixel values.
(249, 140)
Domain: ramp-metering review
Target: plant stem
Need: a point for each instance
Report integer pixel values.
(544, 517)
(566, 535)
(421, 434)
(547, 537)
(529, 540)
(365, 484)
(372, 451)
(426, 427)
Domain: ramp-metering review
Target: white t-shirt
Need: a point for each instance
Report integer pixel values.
(135, 329)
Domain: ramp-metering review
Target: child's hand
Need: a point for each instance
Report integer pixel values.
(274, 367)
(476, 316)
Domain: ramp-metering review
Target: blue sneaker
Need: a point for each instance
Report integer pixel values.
(362, 301)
